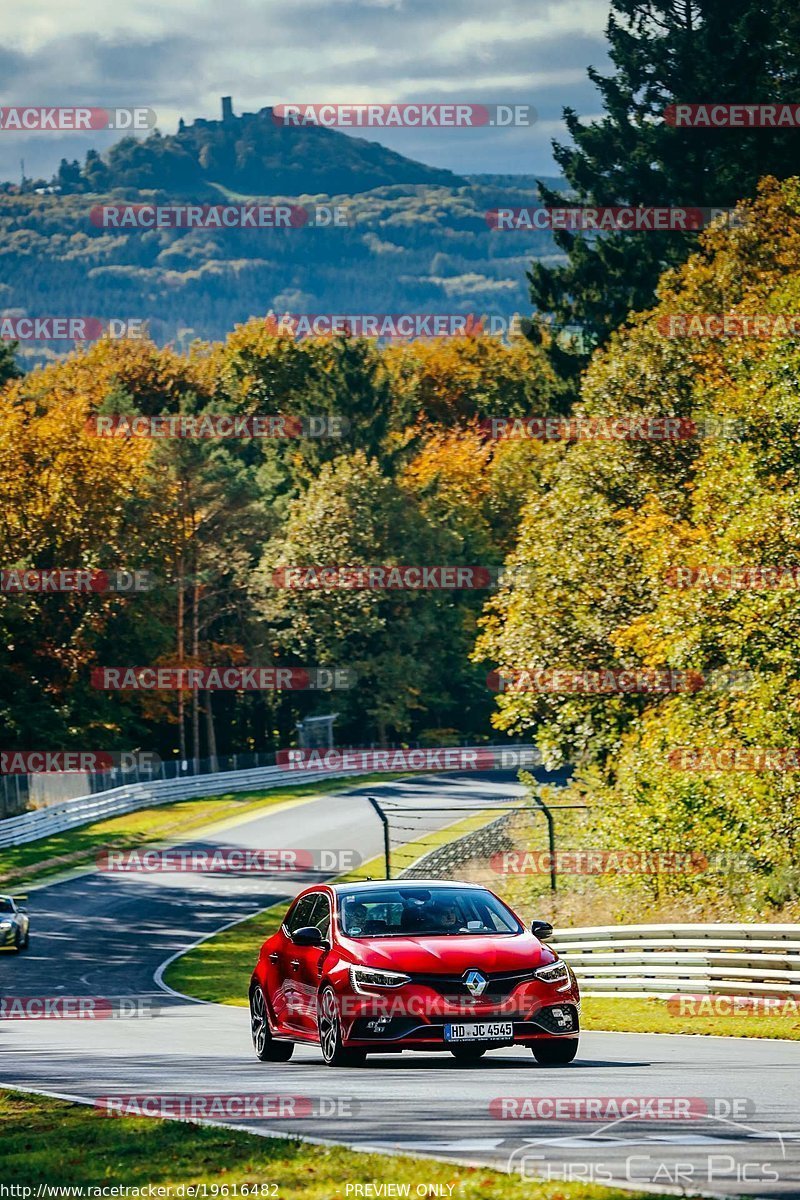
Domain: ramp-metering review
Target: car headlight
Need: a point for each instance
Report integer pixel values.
(5, 926)
(362, 978)
(556, 972)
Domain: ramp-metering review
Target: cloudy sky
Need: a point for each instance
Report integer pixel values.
(179, 56)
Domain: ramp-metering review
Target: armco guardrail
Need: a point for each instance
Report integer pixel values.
(665, 960)
(15, 831)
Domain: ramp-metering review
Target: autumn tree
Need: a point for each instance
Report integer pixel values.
(406, 647)
(613, 520)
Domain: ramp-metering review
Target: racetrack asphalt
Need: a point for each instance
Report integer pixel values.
(106, 935)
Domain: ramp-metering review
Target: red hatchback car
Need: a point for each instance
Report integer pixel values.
(375, 967)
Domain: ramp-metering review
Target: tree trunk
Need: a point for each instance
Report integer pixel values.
(196, 661)
(181, 640)
(211, 736)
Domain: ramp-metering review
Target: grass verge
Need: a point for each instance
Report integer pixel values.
(36, 861)
(47, 1141)
(650, 1015)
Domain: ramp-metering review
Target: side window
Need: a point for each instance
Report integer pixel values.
(321, 914)
(299, 914)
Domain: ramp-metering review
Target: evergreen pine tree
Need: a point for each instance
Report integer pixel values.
(664, 52)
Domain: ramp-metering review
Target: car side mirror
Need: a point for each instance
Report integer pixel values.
(543, 930)
(307, 935)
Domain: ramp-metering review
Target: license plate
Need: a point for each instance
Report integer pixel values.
(484, 1031)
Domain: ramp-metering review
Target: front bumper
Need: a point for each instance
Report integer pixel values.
(561, 1020)
(416, 1013)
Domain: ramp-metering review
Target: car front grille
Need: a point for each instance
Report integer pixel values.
(499, 986)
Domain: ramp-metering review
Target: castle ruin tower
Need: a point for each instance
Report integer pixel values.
(227, 108)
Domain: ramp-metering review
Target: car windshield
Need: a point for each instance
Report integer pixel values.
(423, 912)
(6, 905)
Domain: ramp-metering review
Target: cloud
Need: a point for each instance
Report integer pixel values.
(179, 56)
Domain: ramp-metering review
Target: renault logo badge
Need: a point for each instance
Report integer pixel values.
(475, 983)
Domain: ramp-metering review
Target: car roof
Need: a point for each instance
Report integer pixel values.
(380, 884)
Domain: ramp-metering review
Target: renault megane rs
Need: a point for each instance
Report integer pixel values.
(381, 967)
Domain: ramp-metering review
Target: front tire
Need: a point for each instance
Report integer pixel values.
(467, 1055)
(555, 1053)
(264, 1044)
(330, 1034)
(22, 943)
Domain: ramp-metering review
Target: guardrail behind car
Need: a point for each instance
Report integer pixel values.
(665, 960)
(83, 810)
(16, 831)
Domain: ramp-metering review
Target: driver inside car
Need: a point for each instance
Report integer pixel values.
(355, 917)
(446, 917)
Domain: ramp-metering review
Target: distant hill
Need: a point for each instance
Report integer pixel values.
(406, 249)
(417, 238)
(247, 155)
(556, 183)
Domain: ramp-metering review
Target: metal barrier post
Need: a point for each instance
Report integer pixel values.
(551, 838)
(387, 859)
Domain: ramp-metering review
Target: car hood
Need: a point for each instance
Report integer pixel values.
(451, 954)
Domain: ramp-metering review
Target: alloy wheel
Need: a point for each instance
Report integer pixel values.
(328, 1025)
(258, 1020)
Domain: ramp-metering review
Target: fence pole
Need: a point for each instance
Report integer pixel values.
(387, 851)
(551, 838)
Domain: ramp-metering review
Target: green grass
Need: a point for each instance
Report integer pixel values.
(219, 968)
(649, 1015)
(48, 1141)
(37, 861)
